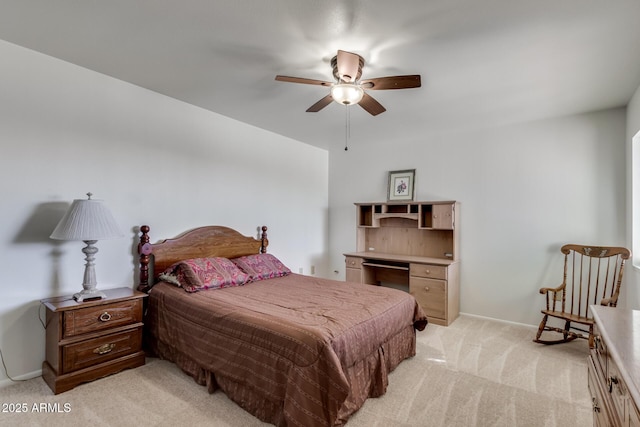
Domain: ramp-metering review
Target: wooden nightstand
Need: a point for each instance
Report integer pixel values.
(92, 339)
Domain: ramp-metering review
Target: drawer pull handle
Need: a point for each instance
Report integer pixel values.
(427, 271)
(426, 289)
(594, 403)
(104, 349)
(105, 317)
(612, 380)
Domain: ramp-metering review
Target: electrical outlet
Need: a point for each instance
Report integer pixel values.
(300, 270)
(313, 269)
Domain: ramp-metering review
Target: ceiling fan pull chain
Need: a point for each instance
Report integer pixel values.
(347, 128)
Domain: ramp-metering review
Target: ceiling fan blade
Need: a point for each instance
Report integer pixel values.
(348, 65)
(303, 81)
(372, 106)
(392, 82)
(320, 104)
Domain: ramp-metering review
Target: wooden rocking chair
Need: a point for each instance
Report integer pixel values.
(592, 275)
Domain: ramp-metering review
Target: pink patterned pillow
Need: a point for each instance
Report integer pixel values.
(261, 266)
(204, 273)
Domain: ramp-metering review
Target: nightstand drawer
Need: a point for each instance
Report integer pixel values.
(428, 270)
(98, 318)
(92, 352)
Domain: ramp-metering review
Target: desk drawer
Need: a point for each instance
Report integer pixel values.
(353, 262)
(430, 294)
(92, 352)
(98, 318)
(428, 270)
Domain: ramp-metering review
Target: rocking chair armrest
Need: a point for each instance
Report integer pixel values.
(547, 290)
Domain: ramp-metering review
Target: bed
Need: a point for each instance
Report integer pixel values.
(292, 350)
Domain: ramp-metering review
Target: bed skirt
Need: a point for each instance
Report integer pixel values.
(367, 377)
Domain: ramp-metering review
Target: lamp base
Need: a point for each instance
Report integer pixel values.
(88, 295)
(89, 290)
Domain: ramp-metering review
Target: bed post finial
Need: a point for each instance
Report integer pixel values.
(144, 249)
(265, 241)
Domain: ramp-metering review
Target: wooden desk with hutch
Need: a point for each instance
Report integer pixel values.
(411, 246)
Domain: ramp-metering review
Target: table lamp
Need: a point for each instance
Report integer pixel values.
(88, 220)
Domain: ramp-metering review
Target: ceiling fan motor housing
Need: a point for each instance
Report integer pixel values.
(339, 78)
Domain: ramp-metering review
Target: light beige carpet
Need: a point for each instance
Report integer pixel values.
(475, 372)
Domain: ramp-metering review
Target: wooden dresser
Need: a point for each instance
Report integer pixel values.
(92, 339)
(614, 367)
(410, 246)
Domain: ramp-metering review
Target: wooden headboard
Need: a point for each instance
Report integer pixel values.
(201, 242)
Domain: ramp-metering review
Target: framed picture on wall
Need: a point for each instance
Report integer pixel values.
(401, 185)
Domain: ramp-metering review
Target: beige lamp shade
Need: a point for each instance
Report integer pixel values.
(87, 219)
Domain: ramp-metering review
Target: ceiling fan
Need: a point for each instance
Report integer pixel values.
(348, 89)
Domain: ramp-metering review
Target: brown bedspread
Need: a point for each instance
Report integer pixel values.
(295, 350)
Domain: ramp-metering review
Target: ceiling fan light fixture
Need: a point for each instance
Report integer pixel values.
(347, 93)
(349, 89)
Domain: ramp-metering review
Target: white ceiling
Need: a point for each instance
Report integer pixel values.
(483, 62)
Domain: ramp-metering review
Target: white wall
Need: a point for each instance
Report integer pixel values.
(65, 130)
(525, 190)
(633, 205)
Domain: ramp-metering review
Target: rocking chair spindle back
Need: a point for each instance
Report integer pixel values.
(592, 275)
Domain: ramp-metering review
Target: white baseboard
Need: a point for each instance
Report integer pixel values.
(493, 319)
(7, 382)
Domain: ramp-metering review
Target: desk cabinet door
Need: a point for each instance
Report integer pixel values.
(431, 295)
(353, 271)
(443, 217)
(353, 275)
